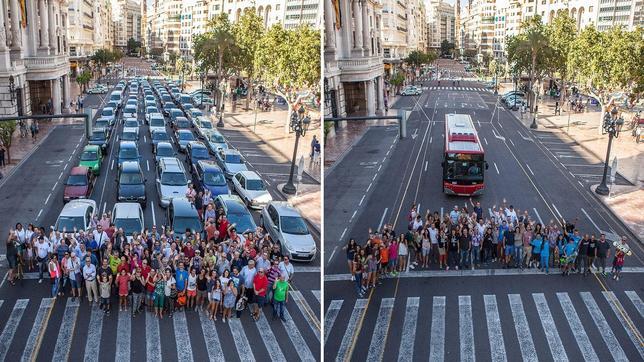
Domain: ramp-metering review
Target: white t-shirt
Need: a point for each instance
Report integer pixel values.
(402, 249)
(192, 282)
(287, 270)
(42, 249)
(168, 285)
(433, 235)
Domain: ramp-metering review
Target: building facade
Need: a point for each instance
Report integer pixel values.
(34, 61)
(300, 12)
(395, 18)
(127, 22)
(353, 58)
(82, 28)
(441, 23)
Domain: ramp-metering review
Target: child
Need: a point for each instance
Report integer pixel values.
(123, 283)
(618, 263)
(105, 291)
(29, 254)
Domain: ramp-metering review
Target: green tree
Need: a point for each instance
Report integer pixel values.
(7, 128)
(288, 62)
(83, 80)
(446, 47)
(397, 80)
(133, 46)
(173, 57)
(247, 31)
(561, 36)
(417, 58)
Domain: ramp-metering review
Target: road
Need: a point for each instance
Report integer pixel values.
(379, 179)
(40, 180)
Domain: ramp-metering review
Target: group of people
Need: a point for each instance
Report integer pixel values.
(158, 270)
(464, 239)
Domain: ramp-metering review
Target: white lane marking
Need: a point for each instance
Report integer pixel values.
(104, 206)
(479, 123)
(61, 175)
(497, 168)
(330, 316)
(441, 212)
(307, 312)
(241, 341)
(298, 342)
(47, 199)
(184, 353)
(379, 167)
(626, 321)
(343, 232)
(213, 346)
(635, 299)
(147, 163)
(591, 220)
(526, 343)
(538, 216)
(70, 158)
(361, 200)
(94, 332)
(152, 338)
(431, 138)
(64, 341)
(12, 325)
(512, 142)
(585, 346)
(350, 330)
(557, 210)
(548, 323)
(154, 219)
(382, 218)
(38, 216)
(316, 294)
(112, 165)
(529, 169)
(37, 329)
(602, 325)
(466, 328)
(406, 350)
(265, 331)
(580, 184)
(354, 214)
(54, 188)
(374, 177)
(494, 330)
(426, 163)
(485, 139)
(332, 253)
(369, 187)
(379, 337)
(124, 336)
(145, 140)
(437, 338)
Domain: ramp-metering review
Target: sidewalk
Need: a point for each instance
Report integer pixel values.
(627, 201)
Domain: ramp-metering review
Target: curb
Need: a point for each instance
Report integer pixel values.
(25, 158)
(610, 209)
(313, 226)
(330, 169)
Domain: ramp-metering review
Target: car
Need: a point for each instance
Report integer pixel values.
(203, 126)
(411, 91)
(231, 162)
(187, 106)
(163, 149)
(209, 176)
(171, 180)
(132, 100)
(185, 99)
(100, 137)
(196, 151)
(215, 141)
(511, 95)
(166, 98)
(205, 92)
(79, 184)
(130, 110)
(109, 113)
(193, 113)
(286, 226)
(131, 183)
(91, 157)
(150, 98)
(117, 96)
(182, 215)
(76, 214)
(97, 89)
(182, 123)
(131, 122)
(156, 120)
(128, 151)
(167, 107)
(113, 104)
(176, 113)
(129, 217)
(236, 212)
(159, 135)
(203, 101)
(103, 122)
(184, 136)
(251, 188)
(152, 109)
(130, 134)
(515, 103)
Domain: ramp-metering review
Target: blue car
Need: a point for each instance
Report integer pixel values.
(128, 151)
(209, 176)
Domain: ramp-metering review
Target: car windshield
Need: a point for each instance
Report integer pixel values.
(255, 185)
(129, 136)
(200, 153)
(70, 223)
(159, 136)
(157, 122)
(217, 138)
(131, 123)
(206, 125)
(183, 223)
(214, 179)
(107, 113)
(128, 225)
(165, 152)
(173, 179)
(186, 136)
(98, 136)
(89, 156)
(128, 153)
(182, 123)
(197, 113)
(77, 180)
(131, 178)
(468, 168)
(244, 222)
(129, 109)
(232, 158)
(293, 225)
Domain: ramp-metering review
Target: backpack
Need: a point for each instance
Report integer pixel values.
(241, 304)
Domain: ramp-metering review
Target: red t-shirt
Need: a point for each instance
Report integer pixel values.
(145, 270)
(223, 229)
(189, 252)
(260, 282)
(123, 266)
(122, 281)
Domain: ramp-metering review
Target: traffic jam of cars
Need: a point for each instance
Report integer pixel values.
(142, 115)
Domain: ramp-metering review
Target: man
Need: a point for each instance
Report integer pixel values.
(260, 287)
(465, 246)
(101, 238)
(73, 268)
(89, 274)
(453, 215)
(592, 254)
(247, 276)
(603, 252)
(42, 256)
(477, 209)
(287, 268)
(105, 269)
(280, 297)
(313, 142)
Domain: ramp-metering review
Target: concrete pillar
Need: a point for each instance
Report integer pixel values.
(3, 30)
(346, 29)
(381, 93)
(16, 36)
(366, 28)
(371, 98)
(56, 96)
(66, 95)
(44, 26)
(357, 19)
(52, 28)
(329, 26)
(32, 27)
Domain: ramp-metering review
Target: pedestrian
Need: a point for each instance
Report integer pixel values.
(159, 294)
(280, 297)
(106, 292)
(313, 143)
(603, 252)
(12, 256)
(465, 247)
(453, 249)
(2, 152)
(54, 274)
(42, 256)
(136, 287)
(34, 129)
(592, 254)
(123, 283)
(89, 275)
(216, 294)
(230, 295)
(545, 256)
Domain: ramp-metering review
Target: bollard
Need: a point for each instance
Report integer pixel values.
(403, 123)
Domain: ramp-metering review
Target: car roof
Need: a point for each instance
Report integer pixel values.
(127, 144)
(130, 166)
(196, 144)
(130, 106)
(130, 129)
(78, 170)
(250, 175)
(183, 207)
(283, 208)
(98, 129)
(171, 163)
(126, 210)
(230, 151)
(184, 131)
(234, 204)
(208, 165)
(164, 145)
(110, 108)
(159, 130)
(77, 207)
(91, 148)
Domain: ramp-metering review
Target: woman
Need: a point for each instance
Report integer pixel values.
(123, 283)
(372, 269)
(403, 253)
(159, 294)
(192, 288)
(487, 245)
(149, 289)
(357, 271)
(352, 248)
(170, 292)
(230, 294)
(442, 250)
(225, 277)
(137, 282)
(216, 293)
(426, 247)
(453, 249)
(202, 290)
(12, 256)
(55, 274)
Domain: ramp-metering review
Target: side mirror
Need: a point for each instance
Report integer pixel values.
(443, 164)
(158, 180)
(487, 165)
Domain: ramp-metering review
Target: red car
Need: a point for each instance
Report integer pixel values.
(79, 184)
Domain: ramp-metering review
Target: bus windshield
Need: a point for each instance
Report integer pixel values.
(464, 166)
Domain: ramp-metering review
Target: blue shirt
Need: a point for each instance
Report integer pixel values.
(536, 246)
(502, 231)
(181, 278)
(569, 249)
(545, 248)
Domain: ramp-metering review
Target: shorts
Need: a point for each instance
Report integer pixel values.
(425, 251)
(158, 300)
(383, 264)
(509, 250)
(393, 262)
(618, 267)
(191, 293)
(105, 301)
(74, 283)
(202, 293)
(260, 300)
(250, 295)
(13, 262)
(149, 295)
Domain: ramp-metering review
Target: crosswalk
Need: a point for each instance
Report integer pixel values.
(559, 326)
(62, 329)
(470, 89)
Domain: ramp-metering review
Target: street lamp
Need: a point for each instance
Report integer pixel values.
(613, 123)
(536, 110)
(299, 124)
(12, 88)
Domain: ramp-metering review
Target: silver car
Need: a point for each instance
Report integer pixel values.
(231, 162)
(286, 225)
(171, 180)
(252, 189)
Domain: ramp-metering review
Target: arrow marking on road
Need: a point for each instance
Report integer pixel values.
(498, 136)
(413, 136)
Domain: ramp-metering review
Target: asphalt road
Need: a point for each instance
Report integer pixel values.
(40, 181)
(380, 178)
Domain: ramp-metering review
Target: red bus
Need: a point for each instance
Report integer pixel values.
(464, 160)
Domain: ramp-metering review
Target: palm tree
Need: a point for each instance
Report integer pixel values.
(535, 43)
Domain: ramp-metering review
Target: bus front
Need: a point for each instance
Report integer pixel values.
(463, 173)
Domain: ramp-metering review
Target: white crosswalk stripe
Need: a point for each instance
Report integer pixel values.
(626, 322)
(350, 330)
(406, 350)
(602, 325)
(585, 346)
(330, 316)
(12, 325)
(63, 344)
(37, 330)
(184, 352)
(526, 343)
(211, 337)
(549, 327)
(466, 328)
(494, 330)
(316, 294)
(241, 341)
(437, 339)
(295, 336)
(274, 351)
(94, 332)
(635, 299)
(124, 336)
(307, 312)
(379, 337)
(152, 338)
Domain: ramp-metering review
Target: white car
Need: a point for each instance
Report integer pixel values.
(130, 134)
(130, 110)
(204, 126)
(251, 189)
(411, 91)
(287, 227)
(76, 214)
(129, 216)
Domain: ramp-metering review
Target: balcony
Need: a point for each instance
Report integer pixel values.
(44, 63)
